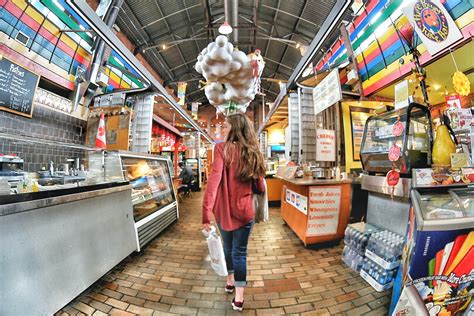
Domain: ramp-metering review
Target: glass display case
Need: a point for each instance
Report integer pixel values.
(414, 142)
(153, 198)
(151, 184)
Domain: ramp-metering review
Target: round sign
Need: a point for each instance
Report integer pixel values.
(398, 129)
(393, 177)
(394, 153)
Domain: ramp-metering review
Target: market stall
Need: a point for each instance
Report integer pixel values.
(316, 210)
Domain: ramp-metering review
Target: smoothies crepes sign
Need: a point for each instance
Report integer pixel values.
(324, 210)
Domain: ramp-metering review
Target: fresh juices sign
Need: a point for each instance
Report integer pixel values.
(323, 212)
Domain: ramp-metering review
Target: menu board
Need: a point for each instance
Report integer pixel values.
(17, 88)
(327, 92)
(323, 211)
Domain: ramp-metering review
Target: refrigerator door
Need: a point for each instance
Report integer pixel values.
(449, 210)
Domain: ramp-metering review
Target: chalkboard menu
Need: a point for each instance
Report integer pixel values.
(17, 88)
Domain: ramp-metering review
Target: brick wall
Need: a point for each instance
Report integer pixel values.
(45, 124)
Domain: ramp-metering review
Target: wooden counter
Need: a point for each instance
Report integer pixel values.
(274, 186)
(316, 210)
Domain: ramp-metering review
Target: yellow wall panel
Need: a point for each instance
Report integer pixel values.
(22, 4)
(35, 15)
(53, 29)
(68, 41)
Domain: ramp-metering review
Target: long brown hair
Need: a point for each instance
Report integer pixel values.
(242, 137)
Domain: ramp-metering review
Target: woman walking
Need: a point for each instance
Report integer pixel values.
(237, 172)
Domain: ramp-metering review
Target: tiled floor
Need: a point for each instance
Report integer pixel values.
(171, 276)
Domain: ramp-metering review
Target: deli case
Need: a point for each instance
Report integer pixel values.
(437, 275)
(153, 197)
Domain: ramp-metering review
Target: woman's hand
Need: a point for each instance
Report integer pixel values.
(206, 227)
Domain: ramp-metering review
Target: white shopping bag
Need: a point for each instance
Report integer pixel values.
(216, 252)
(260, 205)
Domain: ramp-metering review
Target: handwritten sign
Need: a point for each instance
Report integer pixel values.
(300, 202)
(325, 145)
(323, 212)
(17, 88)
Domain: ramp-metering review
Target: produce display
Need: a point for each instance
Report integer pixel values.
(232, 76)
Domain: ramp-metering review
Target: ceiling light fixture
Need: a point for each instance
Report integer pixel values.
(164, 46)
(225, 28)
(297, 45)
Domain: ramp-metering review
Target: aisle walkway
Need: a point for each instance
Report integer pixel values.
(171, 276)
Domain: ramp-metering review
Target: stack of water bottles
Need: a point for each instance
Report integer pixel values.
(356, 238)
(382, 258)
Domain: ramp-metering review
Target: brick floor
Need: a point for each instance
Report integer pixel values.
(171, 277)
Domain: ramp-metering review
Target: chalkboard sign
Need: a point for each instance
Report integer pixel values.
(17, 88)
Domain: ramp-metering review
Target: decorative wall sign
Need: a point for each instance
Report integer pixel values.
(17, 88)
(433, 24)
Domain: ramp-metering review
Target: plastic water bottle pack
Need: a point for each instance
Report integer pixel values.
(379, 274)
(352, 258)
(357, 235)
(386, 244)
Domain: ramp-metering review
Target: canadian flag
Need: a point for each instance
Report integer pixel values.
(100, 138)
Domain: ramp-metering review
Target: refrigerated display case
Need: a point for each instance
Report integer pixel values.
(414, 141)
(438, 259)
(153, 198)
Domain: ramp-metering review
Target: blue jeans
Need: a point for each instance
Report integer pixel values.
(235, 251)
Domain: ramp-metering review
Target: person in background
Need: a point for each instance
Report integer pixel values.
(187, 173)
(237, 172)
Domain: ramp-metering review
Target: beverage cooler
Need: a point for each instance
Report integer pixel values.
(438, 260)
(153, 198)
